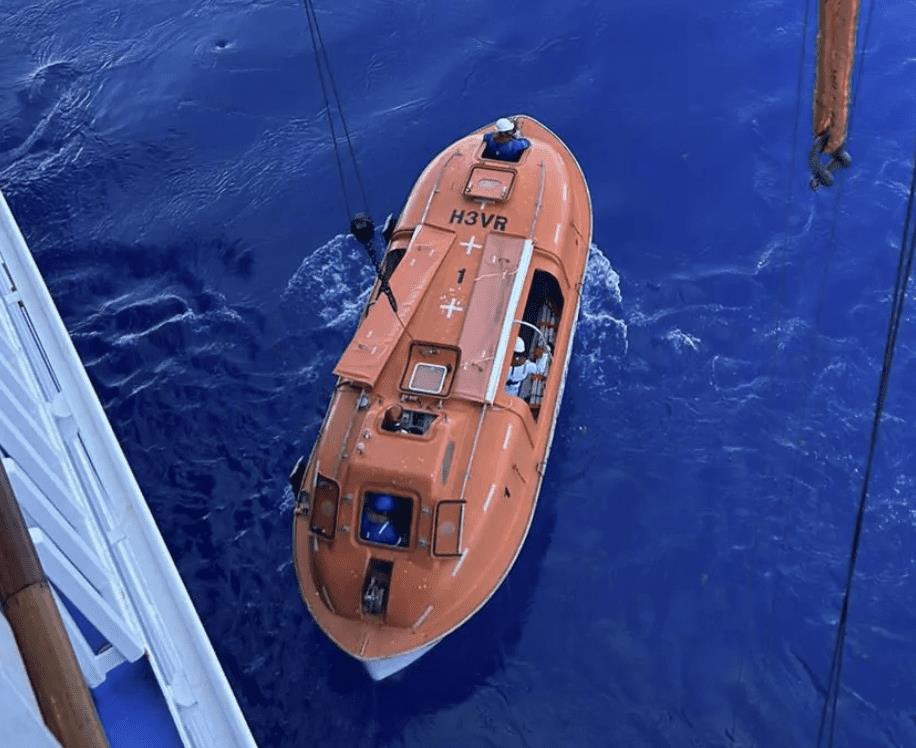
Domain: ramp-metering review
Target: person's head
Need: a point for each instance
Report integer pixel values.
(518, 353)
(393, 414)
(505, 129)
(383, 503)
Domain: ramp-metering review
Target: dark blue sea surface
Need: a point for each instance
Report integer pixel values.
(169, 165)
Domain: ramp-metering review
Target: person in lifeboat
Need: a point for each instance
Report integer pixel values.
(522, 367)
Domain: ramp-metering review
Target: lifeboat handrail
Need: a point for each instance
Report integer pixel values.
(540, 201)
(538, 332)
(467, 470)
(342, 454)
(435, 190)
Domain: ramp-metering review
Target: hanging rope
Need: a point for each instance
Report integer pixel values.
(361, 225)
(901, 281)
(327, 81)
(815, 347)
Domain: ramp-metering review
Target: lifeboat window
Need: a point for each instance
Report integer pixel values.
(386, 519)
(400, 421)
(428, 378)
(543, 310)
(449, 524)
(324, 507)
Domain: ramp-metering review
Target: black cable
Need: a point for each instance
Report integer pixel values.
(831, 248)
(798, 97)
(316, 46)
(323, 67)
(861, 66)
(781, 294)
(340, 110)
(901, 282)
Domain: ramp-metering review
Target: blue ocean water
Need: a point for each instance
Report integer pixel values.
(169, 167)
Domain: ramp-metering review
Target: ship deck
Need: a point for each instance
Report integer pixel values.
(139, 643)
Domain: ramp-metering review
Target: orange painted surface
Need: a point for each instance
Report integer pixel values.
(836, 48)
(472, 479)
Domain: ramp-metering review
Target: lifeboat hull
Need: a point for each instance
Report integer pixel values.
(424, 478)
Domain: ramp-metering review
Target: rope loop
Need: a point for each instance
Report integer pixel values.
(822, 171)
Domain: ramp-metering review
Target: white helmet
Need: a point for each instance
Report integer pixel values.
(504, 124)
(519, 345)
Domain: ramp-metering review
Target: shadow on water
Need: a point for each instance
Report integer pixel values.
(455, 669)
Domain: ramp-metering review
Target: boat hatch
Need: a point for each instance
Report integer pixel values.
(489, 183)
(376, 586)
(430, 369)
(449, 523)
(543, 310)
(401, 421)
(386, 519)
(324, 507)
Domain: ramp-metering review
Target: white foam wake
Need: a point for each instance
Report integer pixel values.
(601, 337)
(332, 281)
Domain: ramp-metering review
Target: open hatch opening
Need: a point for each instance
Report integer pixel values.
(399, 420)
(386, 519)
(543, 310)
(376, 586)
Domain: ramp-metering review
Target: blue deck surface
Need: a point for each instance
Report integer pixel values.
(130, 703)
(133, 710)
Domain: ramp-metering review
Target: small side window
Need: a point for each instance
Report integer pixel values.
(324, 507)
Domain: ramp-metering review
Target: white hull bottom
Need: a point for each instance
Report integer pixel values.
(385, 666)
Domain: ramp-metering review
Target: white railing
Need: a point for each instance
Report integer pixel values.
(91, 527)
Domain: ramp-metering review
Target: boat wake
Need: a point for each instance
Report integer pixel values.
(601, 338)
(325, 281)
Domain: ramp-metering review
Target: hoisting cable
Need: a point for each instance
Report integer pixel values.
(783, 284)
(361, 225)
(320, 67)
(831, 246)
(321, 50)
(827, 725)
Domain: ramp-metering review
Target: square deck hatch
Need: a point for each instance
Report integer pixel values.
(489, 183)
(428, 378)
(430, 369)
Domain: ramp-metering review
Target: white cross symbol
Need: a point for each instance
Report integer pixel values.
(452, 306)
(470, 244)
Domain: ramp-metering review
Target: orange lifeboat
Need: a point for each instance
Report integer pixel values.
(423, 482)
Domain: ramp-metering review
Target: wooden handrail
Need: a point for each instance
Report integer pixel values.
(25, 596)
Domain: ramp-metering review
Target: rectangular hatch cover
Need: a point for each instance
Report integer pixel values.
(489, 183)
